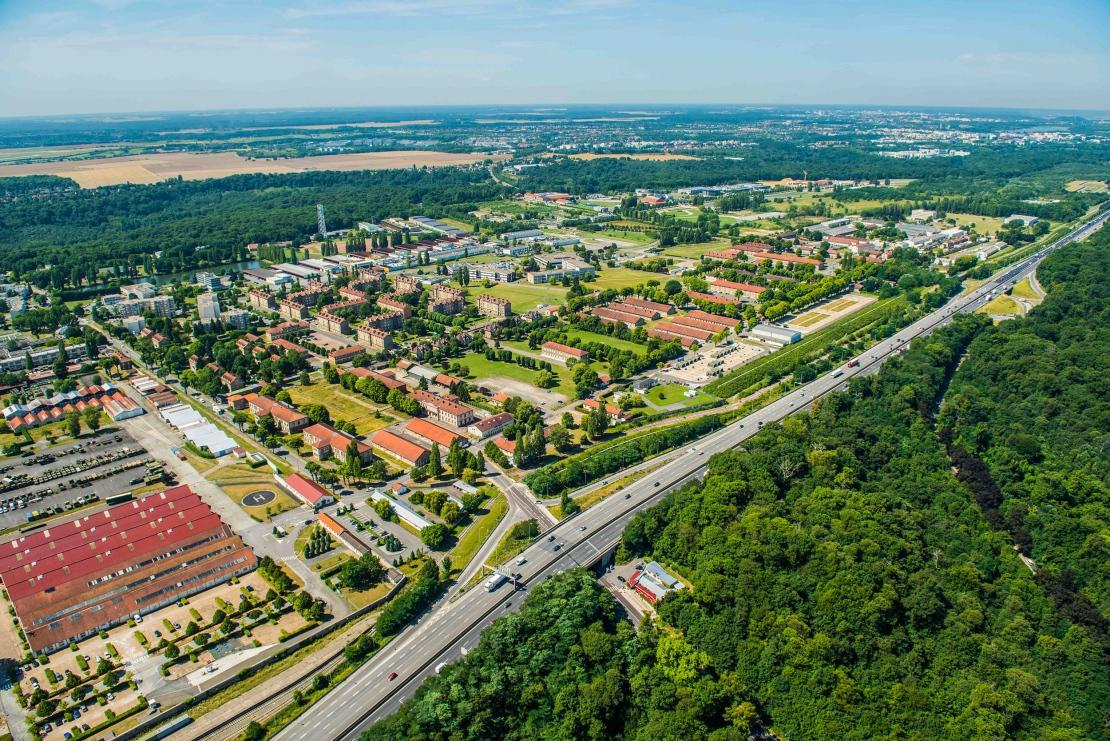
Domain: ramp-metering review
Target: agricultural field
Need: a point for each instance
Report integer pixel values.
(153, 168)
(526, 296)
(343, 405)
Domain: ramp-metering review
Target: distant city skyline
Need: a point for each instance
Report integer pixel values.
(102, 56)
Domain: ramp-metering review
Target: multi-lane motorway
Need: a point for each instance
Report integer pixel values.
(369, 694)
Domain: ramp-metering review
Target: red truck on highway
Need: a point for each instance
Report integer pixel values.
(853, 363)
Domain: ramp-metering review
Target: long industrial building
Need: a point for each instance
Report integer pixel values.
(70, 580)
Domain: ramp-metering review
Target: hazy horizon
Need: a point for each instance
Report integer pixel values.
(99, 57)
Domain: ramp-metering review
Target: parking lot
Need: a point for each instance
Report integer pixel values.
(712, 361)
(81, 471)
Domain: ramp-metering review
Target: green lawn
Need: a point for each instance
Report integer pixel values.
(666, 394)
(982, 224)
(1024, 290)
(524, 296)
(694, 250)
(1001, 305)
(606, 340)
(636, 237)
(478, 532)
(481, 368)
(343, 405)
(622, 278)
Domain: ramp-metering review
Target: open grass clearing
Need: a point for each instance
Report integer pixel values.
(667, 394)
(238, 480)
(981, 224)
(1024, 289)
(525, 296)
(480, 368)
(343, 405)
(607, 340)
(478, 532)
(621, 278)
(1087, 186)
(696, 250)
(1002, 306)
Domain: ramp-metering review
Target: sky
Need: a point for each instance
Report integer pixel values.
(96, 56)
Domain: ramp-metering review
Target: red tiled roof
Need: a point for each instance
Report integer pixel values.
(431, 431)
(398, 446)
(309, 491)
(566, 349)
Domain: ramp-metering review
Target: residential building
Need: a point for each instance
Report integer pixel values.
(237, 319)
(429, 432)
(328, 442)
(287, 419)
(333, 323)
(492, 306)
(446, 300)
(490, 426)
(261, 300)
(375, 339)
(444, 409)
(208, 308)
(286, 330)
(392, 303)
(748, 291)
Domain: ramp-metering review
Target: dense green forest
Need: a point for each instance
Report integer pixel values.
(843, 583)
(773, 160)
(1033, 402)
(207, 222)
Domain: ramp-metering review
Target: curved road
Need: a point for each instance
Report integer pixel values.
(368, 695)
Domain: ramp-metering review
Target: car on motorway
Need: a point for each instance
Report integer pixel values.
(392, 676)
(521, 561)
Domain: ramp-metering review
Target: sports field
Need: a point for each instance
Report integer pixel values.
(153, 168)
(824, 314)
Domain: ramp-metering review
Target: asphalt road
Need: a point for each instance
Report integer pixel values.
(368, 695)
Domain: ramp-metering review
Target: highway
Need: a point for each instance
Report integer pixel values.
(368, 695)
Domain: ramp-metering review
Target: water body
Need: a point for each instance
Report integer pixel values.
(189, 276)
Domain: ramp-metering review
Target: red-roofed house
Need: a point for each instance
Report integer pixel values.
(309, 492)
(328, 442)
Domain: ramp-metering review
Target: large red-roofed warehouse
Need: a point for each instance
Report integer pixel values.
(71, 580)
